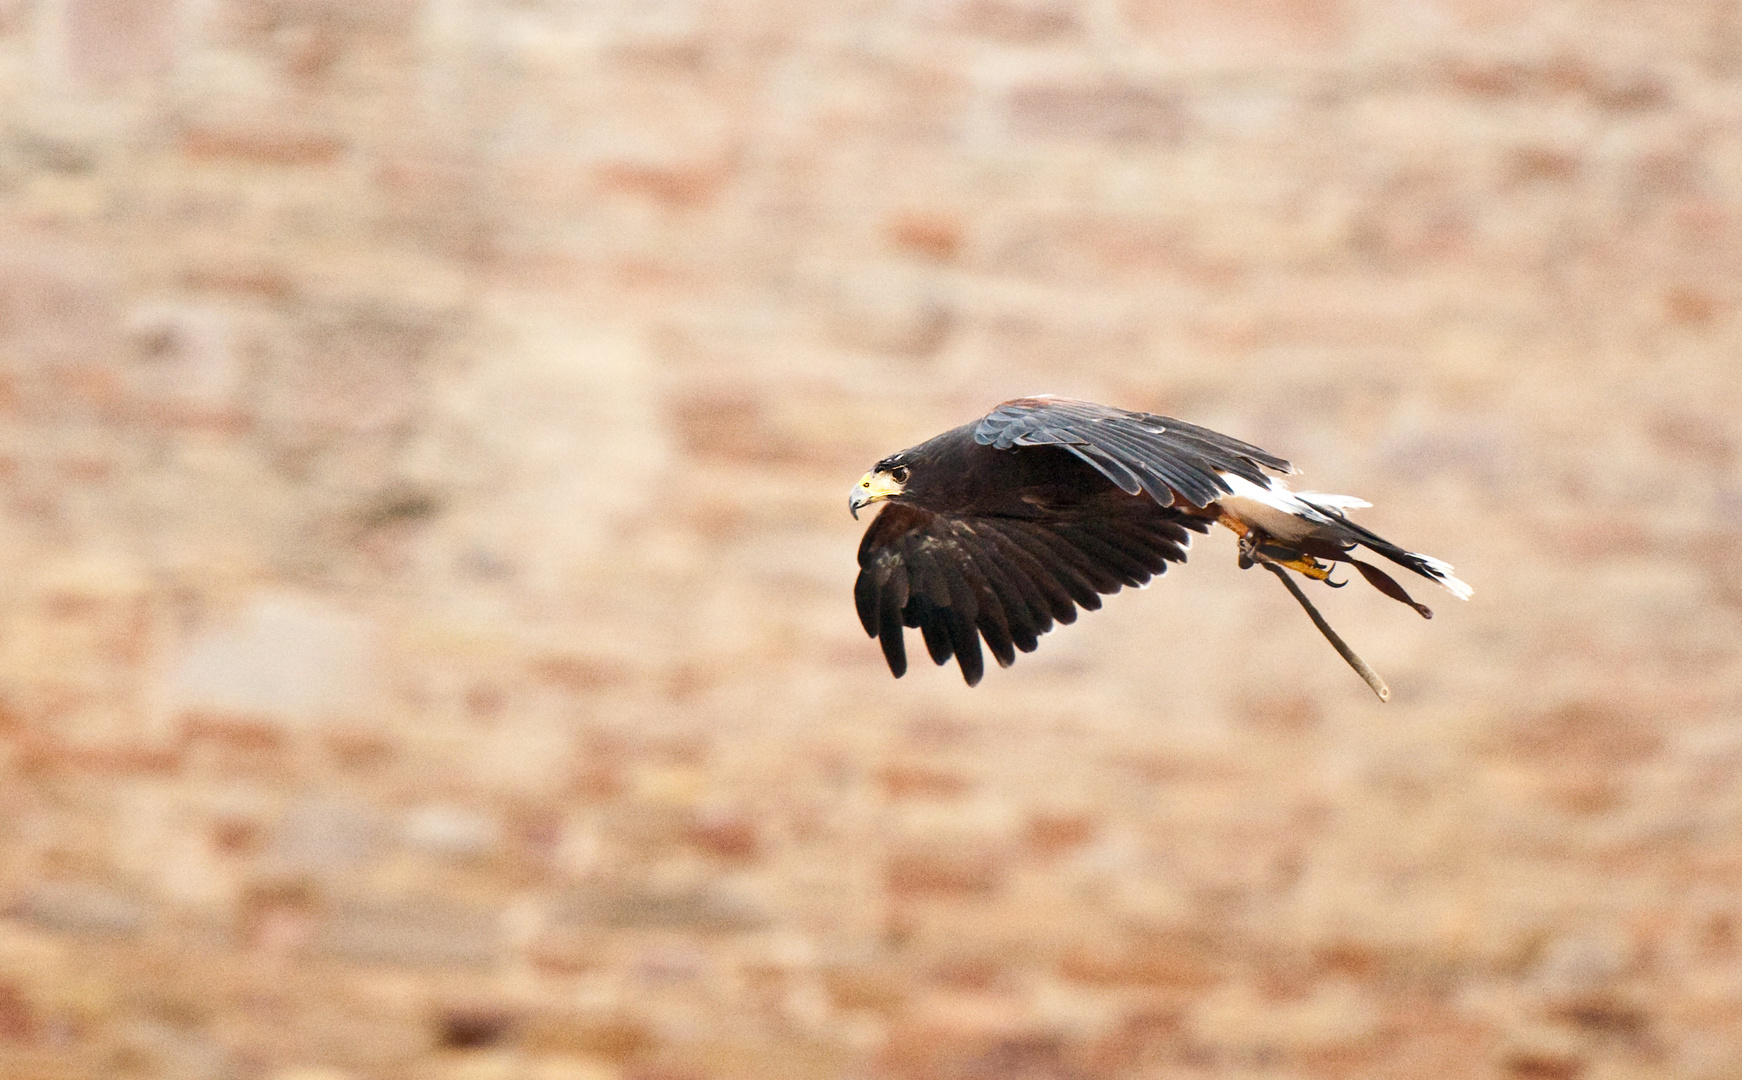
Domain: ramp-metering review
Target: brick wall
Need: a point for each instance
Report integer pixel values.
(425, 644)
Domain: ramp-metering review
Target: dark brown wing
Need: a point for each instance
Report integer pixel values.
(1157, 455)
(1007, 580)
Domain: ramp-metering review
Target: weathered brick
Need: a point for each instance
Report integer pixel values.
(60, 311)
(287, 658)
(1246, 29)
(411, 933)
(699, 909)
(83, 909)
(266, 142)
(1106, 110)
(186, 367)
(325, 836)
(889, 311)
(1016, 21)
(111, 41)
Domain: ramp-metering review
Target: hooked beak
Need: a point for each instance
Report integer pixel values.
(872, 487)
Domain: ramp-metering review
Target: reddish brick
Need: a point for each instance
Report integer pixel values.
(675, 187)
(936, 237)
(944, 872)
(614, 1038)
(974, 1035)
(870, 986)
(115, 760)
(1281, 714)
(18, 1020)
(1542, 165)
(1560, 76)
(1544, 1065)
(58, 306)
(1600, 733)
(730, 836)
(266, 142)
(579, 674)
(1690, 305)
(241, 276)
(15, 16)
(568, 950)
(1176, 960)
(733, 425)
(704, 909)
(1050, 835)
(913, 780)
(1693, 437)
(360, 751)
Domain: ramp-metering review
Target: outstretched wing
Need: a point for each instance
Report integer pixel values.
(1140, 452)
(960, 579)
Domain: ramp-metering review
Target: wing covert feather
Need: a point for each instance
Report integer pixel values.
(1158, 455)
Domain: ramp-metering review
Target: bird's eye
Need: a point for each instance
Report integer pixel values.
(899, 473)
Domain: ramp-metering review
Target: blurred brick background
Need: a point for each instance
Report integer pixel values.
(426, 647)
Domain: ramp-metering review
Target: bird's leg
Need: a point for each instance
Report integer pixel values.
(1253, 549)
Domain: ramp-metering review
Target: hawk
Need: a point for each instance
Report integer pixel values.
(1000, 528)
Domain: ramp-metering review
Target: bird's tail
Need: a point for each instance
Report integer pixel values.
(1436, 570)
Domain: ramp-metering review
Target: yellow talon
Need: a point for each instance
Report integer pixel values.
(1307, 565)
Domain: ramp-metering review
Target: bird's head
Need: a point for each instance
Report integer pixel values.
(886, 480)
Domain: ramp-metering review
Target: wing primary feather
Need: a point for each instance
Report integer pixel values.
(1132, 572)
(961, 619)
(889, 629)
(1060, 567)
(1024, 599)
(1133, 546)
(961, 596)
(995, 612)
(1048, 599)
(865, 600)
(1167, 541)
(967, 646)
(931, 628)
(1076, 572)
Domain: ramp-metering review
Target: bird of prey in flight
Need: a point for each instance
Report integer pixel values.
(1000, 528)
